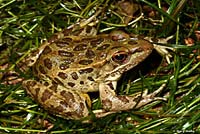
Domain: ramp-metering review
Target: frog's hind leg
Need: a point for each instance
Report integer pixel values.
(59, 100)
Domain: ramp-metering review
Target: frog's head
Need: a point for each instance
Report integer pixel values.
(125, 55)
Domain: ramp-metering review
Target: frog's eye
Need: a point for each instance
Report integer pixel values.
(120, 57)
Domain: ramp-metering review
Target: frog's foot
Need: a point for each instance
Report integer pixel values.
(162, 50)
(148, 98)
(59, 100)
(112, 102)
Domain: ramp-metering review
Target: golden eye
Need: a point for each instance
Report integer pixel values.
(120, 56)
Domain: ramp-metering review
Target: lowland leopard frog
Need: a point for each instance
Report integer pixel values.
(75, 62)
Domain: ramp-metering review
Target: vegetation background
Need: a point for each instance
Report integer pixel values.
(24, 24)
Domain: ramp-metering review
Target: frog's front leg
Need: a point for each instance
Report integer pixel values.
(59, 100)
(113, 102)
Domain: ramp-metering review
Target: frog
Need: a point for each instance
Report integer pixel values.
(77, 61)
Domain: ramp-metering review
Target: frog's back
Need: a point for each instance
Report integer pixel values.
(74, 61)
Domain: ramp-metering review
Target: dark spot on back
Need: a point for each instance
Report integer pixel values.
(103, 55)
(81, 82)
(68, 60)
(86, 39)
(65, 53)
(67, 39)
(41, 69)
(65, 103)
(88, 29)
(104, 46)
(74, 75)
(35, 70)
(36, 93)
(89, 54)
(71, 84)
(96, 42)
(47, 50)
(58, 81)
(67, 32)
(59, 108)
(62, 75)
(46, 84)
(80, 47)
(77, 32)
(85, 62)
(46, 95)
(132, 42)
(48, 63)
(87, 70)
(64, 66)
(68, 96)
(54, 86)
(62, 43)
(115, 47)
(90, 78)
(53, 38)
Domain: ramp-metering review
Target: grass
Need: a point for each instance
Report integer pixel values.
(25, 24)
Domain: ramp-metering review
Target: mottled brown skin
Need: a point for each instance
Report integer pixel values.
(73, 63)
